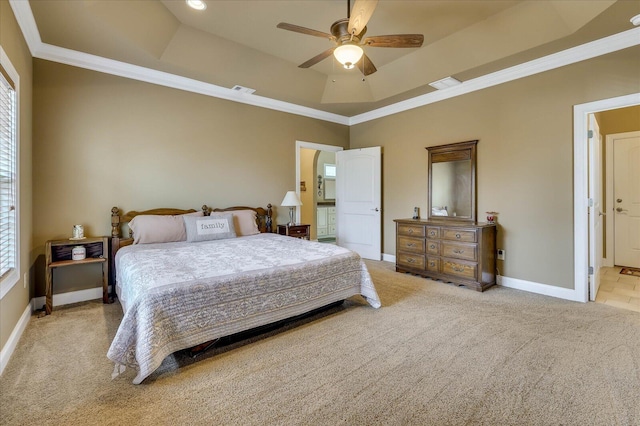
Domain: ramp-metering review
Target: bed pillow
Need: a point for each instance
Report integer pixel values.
(149, 229)
(214, 227)
(245, 222)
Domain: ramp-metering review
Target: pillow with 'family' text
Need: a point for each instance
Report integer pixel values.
(206, 228)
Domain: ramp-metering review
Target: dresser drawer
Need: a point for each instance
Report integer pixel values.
(462, 235)
(410, 260)
(433, 247)
(460, 251)
(411, 230)
(433, 232)
(433, 264)
(413, 245)
(460, 269)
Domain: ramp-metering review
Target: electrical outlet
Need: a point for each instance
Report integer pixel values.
(26, 279)
(501, 254)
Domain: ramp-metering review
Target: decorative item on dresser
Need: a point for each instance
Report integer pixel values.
(457, 252)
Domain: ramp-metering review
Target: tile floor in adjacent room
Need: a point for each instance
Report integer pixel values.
(616, 289)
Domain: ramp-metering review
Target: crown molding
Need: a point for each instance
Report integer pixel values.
(26, 21)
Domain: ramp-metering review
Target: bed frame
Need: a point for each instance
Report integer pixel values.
(264, 220)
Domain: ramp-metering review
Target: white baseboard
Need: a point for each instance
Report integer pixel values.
(388, 258)
(70, 297)
(532, 287)
(14, 338)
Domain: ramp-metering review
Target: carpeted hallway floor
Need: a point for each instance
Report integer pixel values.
(434, 354)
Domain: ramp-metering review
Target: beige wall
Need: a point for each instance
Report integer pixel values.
(14, 303)
(525, 158)
(102, 141)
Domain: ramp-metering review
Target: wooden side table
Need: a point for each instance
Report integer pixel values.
(299, 230)
(58, 255)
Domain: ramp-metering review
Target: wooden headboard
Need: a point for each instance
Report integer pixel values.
(264, 221)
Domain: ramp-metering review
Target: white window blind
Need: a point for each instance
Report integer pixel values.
(8, 181)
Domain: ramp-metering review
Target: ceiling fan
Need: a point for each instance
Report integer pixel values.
(348, 36)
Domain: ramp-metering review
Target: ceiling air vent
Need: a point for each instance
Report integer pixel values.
(243, 89)
(445, 83)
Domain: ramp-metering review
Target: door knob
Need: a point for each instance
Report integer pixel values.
(375, 210)
(620, 210)
(619, 200)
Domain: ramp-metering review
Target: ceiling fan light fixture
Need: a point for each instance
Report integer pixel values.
(197, 4)
(348, 55)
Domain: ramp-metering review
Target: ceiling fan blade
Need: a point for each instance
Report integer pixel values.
(366, 66)
(317, 58)
(303, 30)
(360, 15)
(397, 40)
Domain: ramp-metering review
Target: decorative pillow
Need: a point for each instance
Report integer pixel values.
(149, 229)
(245, 222)
(214, 227)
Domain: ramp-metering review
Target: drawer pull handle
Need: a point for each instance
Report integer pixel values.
(410, 260)
(432, 264)
(432, 233)
(411, 230)
(432, 246)
(458, 236)
(410, 245)
(458, 268)
(456, 251)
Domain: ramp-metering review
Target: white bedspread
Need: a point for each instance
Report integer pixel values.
(178, 295)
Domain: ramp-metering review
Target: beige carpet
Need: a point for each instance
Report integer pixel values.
(434, 354)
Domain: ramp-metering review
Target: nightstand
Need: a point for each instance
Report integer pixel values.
(58, 255)
(298, 230)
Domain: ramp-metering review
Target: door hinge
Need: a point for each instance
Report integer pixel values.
(590, 202)
(590, 134)
(590, 270)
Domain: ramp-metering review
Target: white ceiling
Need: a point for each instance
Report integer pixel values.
(237, 42)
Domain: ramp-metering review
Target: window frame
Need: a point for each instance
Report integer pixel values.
(13, 277)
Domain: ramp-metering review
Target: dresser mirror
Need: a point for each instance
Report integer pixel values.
(452, 182)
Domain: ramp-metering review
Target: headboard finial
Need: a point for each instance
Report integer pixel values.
(115, 222)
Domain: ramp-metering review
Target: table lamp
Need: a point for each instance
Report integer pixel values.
(291, 200)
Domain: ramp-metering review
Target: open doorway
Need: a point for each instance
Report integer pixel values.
(584, 230)
(315, 173)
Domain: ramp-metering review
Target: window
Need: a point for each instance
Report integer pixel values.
(329, 170)
(9, 269)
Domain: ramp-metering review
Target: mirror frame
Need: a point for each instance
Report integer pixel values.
(454, 152)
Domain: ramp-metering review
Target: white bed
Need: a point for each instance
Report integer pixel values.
(181, 294)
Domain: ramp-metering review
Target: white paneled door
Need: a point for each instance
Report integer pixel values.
(626, 200)
(595, 206)
(359, 201)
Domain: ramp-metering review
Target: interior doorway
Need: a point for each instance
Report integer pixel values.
(583, 208)
(315, 175)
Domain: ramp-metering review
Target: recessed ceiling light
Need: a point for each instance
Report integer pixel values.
(445, 83)
(197, 4)
(635, 20)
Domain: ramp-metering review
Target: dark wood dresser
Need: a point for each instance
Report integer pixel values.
(462, 253)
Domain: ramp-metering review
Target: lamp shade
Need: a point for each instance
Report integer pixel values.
(348, 55)
(291, 199)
